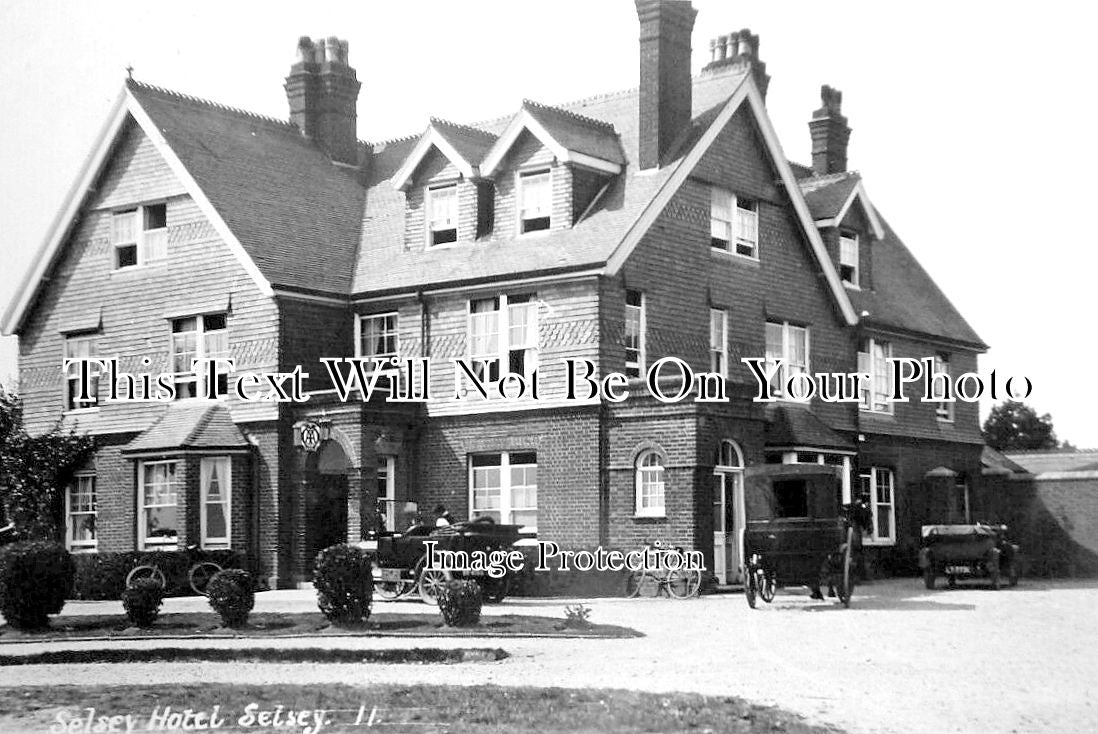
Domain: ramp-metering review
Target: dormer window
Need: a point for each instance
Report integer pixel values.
(442, 208)
(848, 258)
(734, 223)
(139, 235)
(535, 197)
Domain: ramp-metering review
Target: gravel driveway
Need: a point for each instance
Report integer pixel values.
(902, 659)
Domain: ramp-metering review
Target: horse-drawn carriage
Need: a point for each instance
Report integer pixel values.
(798, 532)
(400, 559)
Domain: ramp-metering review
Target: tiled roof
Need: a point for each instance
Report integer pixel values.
(190, 424)
(994, 462)
(790, 424)
(904, 296)
(296, 214)
(1038, 462)
(588, 244)
(576, 132)
(826, 195)
(471, 143)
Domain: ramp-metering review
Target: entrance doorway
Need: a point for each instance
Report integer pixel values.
(728, 513)
(326, 502)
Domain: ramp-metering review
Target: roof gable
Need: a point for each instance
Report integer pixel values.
(463, 146)
(829, 198)
(572, 138)
(190, 425)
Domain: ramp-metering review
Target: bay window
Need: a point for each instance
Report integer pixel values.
(158, 503)
(216, 497)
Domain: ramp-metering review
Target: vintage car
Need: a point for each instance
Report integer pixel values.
(400, 559)
(968, 551)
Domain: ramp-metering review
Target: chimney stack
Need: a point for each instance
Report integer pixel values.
(665, 83)
(830, 134)
(322, 90)
(739, 51)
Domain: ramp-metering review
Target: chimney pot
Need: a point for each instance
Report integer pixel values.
(739, 50)
(322, 91)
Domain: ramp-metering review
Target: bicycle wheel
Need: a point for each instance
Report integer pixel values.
(767, 586)
(750, 586)
(200, 575)
(683, 584)
(846, 581)
(633, 584)
(145, 571)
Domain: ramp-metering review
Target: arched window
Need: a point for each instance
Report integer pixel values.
(729, 455)
(650, 485)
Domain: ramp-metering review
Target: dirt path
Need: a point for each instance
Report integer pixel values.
(900, 660)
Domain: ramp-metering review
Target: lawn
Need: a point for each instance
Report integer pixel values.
(420, 708)
(308, 624)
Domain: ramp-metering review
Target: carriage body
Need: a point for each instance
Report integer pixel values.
(797, 531)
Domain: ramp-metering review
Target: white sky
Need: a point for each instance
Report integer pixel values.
(973, 122)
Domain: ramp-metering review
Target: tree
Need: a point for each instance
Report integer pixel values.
(1014, 426)
(35, 469)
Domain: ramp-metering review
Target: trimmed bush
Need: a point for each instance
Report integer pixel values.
(459, 601)
(231, 595)
(344, 584)
(142, 602)
(35, 576)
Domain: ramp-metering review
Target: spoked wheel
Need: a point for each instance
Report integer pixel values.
(145, 571)
(200, 576)
(683, 584)
(768, 585)
(493, 591)
(750, 586)
(846, 582)
(390, 590)
(633, 584)
(431, 582)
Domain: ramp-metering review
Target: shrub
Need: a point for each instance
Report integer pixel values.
(459, 601)
(576, 616)
(35, 577)
(231, 595)
(344, 584)
(142, 602)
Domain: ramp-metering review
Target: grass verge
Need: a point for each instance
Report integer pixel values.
(418, 708)
(307, 624)
(255, 655)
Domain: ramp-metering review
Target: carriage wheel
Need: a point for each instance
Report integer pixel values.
(682, 584)
(750, 586)
(390, 590)
(846, 583)
(430, 582)
(494, 590)
(768, 586)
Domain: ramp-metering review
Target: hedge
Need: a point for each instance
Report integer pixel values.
(103, 575)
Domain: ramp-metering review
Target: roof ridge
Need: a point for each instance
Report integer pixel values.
(830, 177)
(461, 126)
(574, 115)
(599, 97)
(200, 424)
(209, 103)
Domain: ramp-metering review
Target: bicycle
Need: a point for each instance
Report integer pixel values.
(679, 582)
(198, 574)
